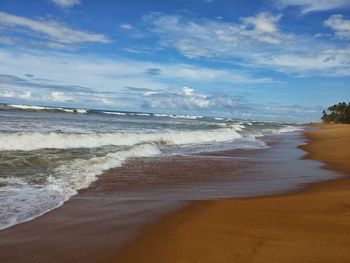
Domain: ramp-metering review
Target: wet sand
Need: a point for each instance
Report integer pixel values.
(312, 225)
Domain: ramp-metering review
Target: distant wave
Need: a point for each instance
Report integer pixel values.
(126, 113)
(190, 117)
(158, 115)
(114, 113)
(28, 141)
(32, 108)
(175, 116)
(40, 108)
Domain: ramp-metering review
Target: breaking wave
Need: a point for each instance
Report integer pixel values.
(28, 141)
(22, 202)
(41, 108)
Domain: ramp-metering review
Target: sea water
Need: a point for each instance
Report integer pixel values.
(47, 154)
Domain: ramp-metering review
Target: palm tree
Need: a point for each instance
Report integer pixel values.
(338, 113)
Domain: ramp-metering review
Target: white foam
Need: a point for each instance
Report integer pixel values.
(81, 110)
(42, 108)
(237, 126)
(28, 141)
(190, 117)
(22, 202)
(290, 128)
(175, 116)
(114, 113)
(161, 115)
(28, 107)
(79, 174)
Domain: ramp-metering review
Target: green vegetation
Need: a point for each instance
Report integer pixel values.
(338, 113)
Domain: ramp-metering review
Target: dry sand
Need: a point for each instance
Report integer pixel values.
(312, 225)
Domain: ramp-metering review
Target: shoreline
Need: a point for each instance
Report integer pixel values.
(307, 225)
(206, 154)
(95, 225)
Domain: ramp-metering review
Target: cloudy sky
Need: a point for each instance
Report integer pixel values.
(272, 59)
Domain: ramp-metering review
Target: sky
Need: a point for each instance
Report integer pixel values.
(273, 60)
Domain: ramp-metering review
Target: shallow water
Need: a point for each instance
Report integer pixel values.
(231, 173)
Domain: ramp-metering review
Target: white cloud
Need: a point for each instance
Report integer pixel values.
(212, 38)
(115, 75)
(132, 50)
(105, 101)
(57, 96)
(55, 34)
(189, 99)
(314, 5)
(264, 28)
(183, 99)
(339, 25)
(105, 82)
(66, 3)
(256, 42)
(12, 94)
(109, 78)
(7, 94)
(202, 74)
(263, 22)
(25, 95)
(331, 62)
(188, 91)
(126, 26)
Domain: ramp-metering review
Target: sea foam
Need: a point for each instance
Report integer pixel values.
(28, 141)
(42, 108)
(22, 202)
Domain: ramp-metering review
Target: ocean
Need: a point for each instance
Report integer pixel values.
(48, 154)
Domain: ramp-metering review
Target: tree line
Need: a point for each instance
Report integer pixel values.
(338, 113)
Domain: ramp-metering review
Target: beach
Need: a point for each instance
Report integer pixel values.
(145, 210)
(174, 131)
(311, 225)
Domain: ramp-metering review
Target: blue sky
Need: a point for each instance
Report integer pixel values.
(274, 59)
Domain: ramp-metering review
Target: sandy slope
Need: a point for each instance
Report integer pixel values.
(309, 226)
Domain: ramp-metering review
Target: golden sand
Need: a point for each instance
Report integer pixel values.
(312, 225)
